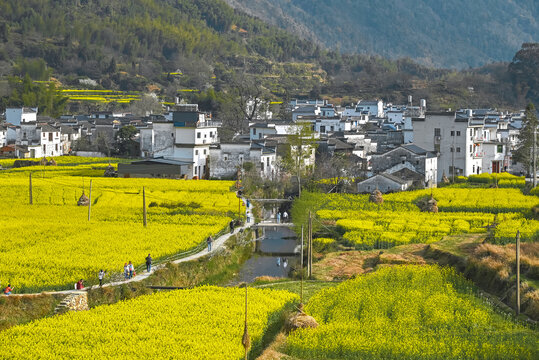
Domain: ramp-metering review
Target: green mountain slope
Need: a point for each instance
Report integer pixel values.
(448, 33)
(205, 51)
(82, 37)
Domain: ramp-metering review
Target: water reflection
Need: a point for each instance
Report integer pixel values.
(272, 253)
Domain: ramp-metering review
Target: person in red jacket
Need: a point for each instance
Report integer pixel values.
(80, 285)
(8, 290)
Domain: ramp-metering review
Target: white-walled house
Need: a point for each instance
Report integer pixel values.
(18, 116)
(262, 111)
(303, 111)
(259, 131)
(42, 140)
(456, 136)
(495, 159)
(51, 142)
(186, 137)
(373, 108)
(408, 156)
(3, 136)
(227, 158)
(395, 116)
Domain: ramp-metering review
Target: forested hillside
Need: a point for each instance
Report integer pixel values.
(448, 33)
(206, 52)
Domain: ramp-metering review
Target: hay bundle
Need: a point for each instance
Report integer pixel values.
(376, 197)
(51, 162)
(300, 320)
(445, 179)
(110, 172)
(83, 200)
(432, 205)
(43, 161)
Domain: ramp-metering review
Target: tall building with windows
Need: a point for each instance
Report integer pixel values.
(457, 137)
(184, 135)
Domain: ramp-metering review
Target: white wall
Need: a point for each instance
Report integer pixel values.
(465, 158)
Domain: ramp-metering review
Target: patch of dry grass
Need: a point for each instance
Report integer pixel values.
(347, 264)
(502, 259)
(273, 351)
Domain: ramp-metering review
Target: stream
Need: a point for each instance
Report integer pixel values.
(276, 243)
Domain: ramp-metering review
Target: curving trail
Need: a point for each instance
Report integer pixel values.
(217, 244)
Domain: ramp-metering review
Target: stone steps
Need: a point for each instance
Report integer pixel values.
(76, 301)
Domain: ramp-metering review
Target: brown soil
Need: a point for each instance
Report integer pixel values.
(348, 264)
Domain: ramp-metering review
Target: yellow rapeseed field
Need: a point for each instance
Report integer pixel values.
(51, 244)
(399, 220)
(409, 312)
(202, 323)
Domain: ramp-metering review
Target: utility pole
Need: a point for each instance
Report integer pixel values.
(310, 240)
(534, 156)
(246, 340)
(453, 160)
(518, 272)
(144, 205)
(301, 290)
(31, 197)
(90, 202)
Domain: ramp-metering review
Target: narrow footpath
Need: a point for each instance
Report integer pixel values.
(217, 244)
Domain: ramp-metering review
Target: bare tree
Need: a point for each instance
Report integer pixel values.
(245, 99)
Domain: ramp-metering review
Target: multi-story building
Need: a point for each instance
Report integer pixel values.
(456, 137)
(184, 135)
(40, 139)
(227, 158)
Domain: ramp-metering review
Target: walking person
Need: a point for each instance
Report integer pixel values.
(149, 263)
(279, 262)
(126, 271)
(101, 276)
(8, 290)
(209, 241)
(285, 263)
(231, 226)
(278, 217)
(131, 270)
(285, 217)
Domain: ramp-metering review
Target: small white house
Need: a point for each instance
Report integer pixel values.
(18, 116)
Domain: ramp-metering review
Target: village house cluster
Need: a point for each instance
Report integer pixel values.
(395, 146)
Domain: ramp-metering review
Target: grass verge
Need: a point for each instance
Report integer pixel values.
(15, 310)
